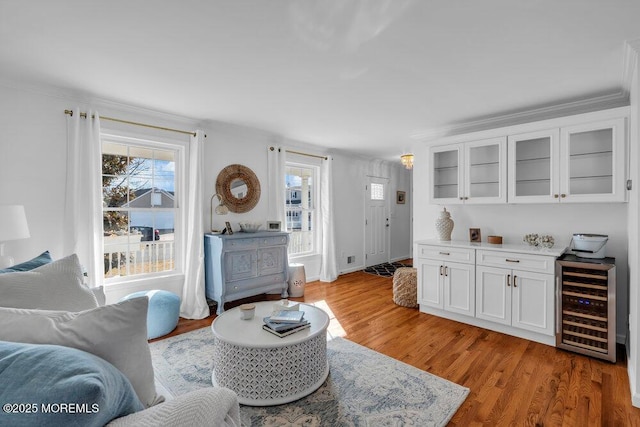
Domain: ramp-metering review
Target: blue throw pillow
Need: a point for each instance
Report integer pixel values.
(39, 261)
(51, 385)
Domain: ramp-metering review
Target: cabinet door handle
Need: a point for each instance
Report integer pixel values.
(444, 253)
(563, 195)
(512, 260)
(441, 270)
(555, 196)
(446, 271)
(514, 281)
(466, 198)
(508, 280)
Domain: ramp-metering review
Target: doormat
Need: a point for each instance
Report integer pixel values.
(385, 269)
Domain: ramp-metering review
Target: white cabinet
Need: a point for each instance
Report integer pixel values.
(473, 172)
(580, 163)
(445, 283)
(508, 288)
(508, 294)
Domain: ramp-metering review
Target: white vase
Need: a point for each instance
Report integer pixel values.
(444, 225)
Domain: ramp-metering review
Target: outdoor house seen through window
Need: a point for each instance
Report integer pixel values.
(139, 209)
(301, 208)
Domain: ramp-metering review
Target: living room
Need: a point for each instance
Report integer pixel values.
(34, 135)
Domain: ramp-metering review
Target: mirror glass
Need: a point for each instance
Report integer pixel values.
(238, 188)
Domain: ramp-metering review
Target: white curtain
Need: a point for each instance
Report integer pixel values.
(82, 229)
(329, 267)
(277, 165)
(194, 302)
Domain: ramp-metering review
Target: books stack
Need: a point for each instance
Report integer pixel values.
(285, 322)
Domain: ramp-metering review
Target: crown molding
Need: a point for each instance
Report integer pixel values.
(586, 105)
(629, 61)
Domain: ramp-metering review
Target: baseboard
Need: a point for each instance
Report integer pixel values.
(402, 258)
(351, 270)
(635, 397)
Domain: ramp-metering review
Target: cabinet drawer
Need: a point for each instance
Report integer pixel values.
(446, 253)
(272, 241)
(535, 263)
(233, 244)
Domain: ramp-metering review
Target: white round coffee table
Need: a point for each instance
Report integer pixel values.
(264, 369)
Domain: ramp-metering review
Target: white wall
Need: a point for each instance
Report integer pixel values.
(33, 167)
(514, 221)
(633, 349)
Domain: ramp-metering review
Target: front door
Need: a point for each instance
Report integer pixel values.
(377, 221)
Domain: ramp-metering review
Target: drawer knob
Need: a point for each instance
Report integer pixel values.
(512, 260)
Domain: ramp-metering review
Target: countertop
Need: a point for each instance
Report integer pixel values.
(555, 251)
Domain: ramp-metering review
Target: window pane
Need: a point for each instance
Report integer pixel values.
(138, 186)
(377, 191)
(300, 207)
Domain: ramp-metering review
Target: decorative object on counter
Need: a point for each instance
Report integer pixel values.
(227, 228)
(444, 225)
(474, 235)
(274, 225)
(401, 197)
(546, 241)
(249, 227)
(494, 240)
(531, 239)
(238, 187)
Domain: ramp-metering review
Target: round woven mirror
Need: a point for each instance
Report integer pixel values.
(238, 187)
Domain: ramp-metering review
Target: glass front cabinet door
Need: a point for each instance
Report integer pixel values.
(592, 162)
(471, 172)
(582, 163)
(534, 167)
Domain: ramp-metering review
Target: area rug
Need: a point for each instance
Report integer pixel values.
(385, 269)
(364, 387)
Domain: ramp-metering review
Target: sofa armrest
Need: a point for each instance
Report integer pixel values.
(215, 406)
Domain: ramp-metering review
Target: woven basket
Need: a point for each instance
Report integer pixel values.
(405, 287)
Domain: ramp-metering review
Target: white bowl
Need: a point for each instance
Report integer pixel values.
(250, 227)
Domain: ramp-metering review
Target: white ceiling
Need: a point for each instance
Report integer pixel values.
(368, 76)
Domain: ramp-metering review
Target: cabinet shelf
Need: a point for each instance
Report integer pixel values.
(585, 285)
(532, 159)
(485, 164)
(444, 185)
(485, 182)
(591, 177)
(584, 314)
(585, 295)
(443, 168)
(533, 180)
(592, 153)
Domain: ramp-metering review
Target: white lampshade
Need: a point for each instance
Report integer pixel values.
(13, 226)
(13, 223)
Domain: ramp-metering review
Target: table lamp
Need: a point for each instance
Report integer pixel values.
(13, 226)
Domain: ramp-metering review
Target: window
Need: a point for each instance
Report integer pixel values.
(301, 208)
(140, 209)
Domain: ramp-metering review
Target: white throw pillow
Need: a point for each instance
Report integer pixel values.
(117, 333)
(55, 286)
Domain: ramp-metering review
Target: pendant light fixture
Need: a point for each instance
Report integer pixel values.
(407, 160)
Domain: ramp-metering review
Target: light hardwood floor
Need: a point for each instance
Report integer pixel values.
(512, 381)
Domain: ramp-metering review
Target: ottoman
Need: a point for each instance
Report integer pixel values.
(405, 287)
(163, 313)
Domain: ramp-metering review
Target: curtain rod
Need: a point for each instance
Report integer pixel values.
(111, 119)
(301, 153)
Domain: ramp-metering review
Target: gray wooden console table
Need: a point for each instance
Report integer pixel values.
(245, 264)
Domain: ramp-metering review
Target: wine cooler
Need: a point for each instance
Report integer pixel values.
(586, 306)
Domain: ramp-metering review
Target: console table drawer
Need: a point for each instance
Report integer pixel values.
(234, 244)
(273, 241)
(445, 253)
(534, 263)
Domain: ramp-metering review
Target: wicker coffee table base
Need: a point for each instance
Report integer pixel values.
(271, 376)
